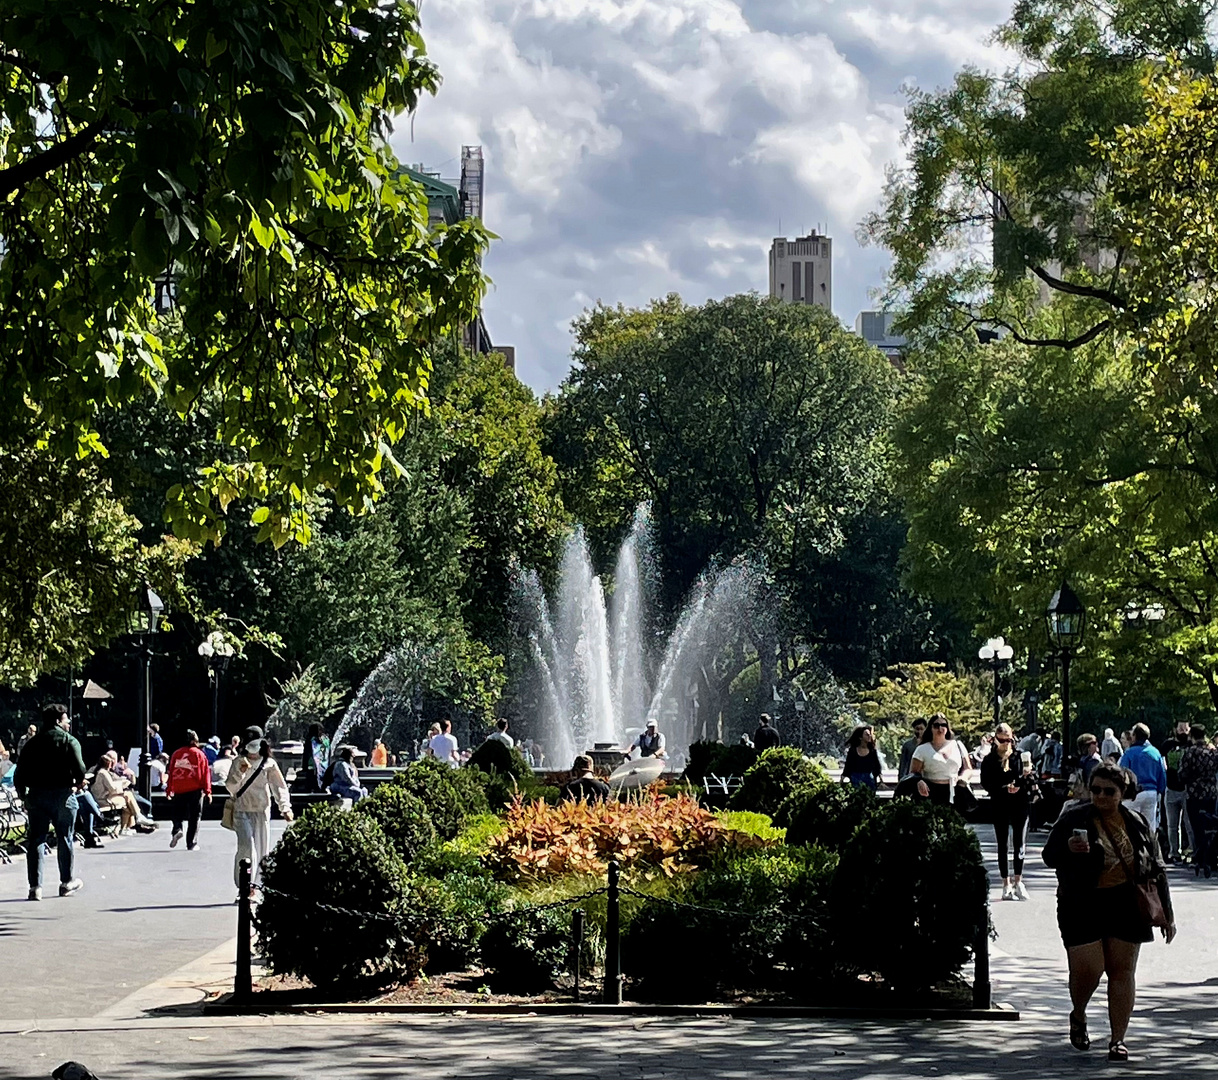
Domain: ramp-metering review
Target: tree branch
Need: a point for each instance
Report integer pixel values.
(1073, 289)
(17, 176)
(1060, 343)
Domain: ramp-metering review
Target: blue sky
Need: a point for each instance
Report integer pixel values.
(640, 147)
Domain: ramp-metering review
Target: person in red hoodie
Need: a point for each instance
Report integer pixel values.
(187, 783)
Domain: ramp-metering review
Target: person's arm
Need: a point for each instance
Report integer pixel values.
(1161, 776)
(279, 790)
(78, 761)
(991, 774)
(877, 770)
(966, 763)
(206, 776)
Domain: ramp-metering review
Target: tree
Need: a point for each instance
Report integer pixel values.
(1009, 196)
(1083, 444)
(755, 429)
(236, 159)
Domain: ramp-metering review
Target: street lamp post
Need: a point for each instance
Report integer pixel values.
(217, 651)
(1065, 619)
(149, 609)
(996, 652)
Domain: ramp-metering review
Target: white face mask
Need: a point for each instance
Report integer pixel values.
(252, 749)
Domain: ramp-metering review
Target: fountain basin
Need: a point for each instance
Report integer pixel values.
(606, 755)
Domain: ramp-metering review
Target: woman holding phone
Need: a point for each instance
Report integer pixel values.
(1102, 852)
(1008, 777)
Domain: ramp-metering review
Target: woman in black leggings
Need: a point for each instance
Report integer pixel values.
(1011, 784)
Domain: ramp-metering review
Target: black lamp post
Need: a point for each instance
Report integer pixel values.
(217, 651)
(1065, 619)
(996, 652)
(149, 609)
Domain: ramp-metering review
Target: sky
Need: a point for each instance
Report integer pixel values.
(636, 148)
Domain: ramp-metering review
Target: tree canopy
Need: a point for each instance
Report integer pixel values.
(235, 158)
(755, 428)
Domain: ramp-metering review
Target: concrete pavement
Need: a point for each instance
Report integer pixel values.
(128, 1032)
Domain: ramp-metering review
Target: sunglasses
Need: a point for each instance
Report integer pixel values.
(1002, 740)
(1107, 791)
(940, 726)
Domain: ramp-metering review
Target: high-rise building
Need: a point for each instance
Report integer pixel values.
(801, 270)
(875, 328)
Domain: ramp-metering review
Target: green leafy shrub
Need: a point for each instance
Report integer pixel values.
(527, 953)
(402, 817)
(461, 906)
(345, 860)
(506, 774)
(449, 794)
(772, 933)
(826, 815)
(779, 772)
(745, 821)
(915, 870)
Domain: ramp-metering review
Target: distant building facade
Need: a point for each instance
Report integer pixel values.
(450, 201)
(801, 270)
(875, 328)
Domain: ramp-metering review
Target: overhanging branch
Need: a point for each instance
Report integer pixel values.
(24, 172)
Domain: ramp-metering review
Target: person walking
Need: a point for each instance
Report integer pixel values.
(1088, 754)
(862, 765)
(1102, 852)
(48, 771)
(1199, 771)
(253, 780)
(1175, 799)
(766, 736)
(941, 765)
(1111, 748)
(187, 784)
(316, 758)
(909, 746)
(1008, 776)
(500, 734)
(1146, 763)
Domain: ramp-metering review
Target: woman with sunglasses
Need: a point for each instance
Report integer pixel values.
(1101, 851)
(940, 764)
(1007, 775)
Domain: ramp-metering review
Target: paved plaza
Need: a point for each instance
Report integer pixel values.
(112, 977)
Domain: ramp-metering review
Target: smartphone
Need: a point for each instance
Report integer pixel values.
(1080, 834)
(1026, 758)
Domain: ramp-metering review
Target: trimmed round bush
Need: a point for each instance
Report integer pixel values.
(505, 773)
(774, 933)
(779, 773)
(527, 953)
(826, 815)
(343, 859)
(916, 871)
(402, 817)
(449, 794)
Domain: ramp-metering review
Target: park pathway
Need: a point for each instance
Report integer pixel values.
(97, 977)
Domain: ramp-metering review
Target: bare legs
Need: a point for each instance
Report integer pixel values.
(1121, 962)
(1088, 963)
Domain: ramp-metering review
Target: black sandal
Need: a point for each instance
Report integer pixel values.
(1079, 1038)
(1117, 1051)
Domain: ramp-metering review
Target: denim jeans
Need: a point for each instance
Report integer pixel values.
(1179, 827)
(88, 813)
(47, 808)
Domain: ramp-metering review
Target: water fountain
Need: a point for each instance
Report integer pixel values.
(592, 656)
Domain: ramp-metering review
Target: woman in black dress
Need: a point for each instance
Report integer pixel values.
(862, 767)
(1011, 785)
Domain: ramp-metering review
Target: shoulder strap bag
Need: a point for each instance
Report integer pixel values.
(1150, 902)
(230, 804)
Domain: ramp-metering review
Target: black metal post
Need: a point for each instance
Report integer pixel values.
(982, 991)
(215, 700)
(145, 776)
(243, 984)
(577, 946)
(613, 943)
(1066, 698)
(997, 700)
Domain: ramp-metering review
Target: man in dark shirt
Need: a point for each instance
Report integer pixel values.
(1088, 754)
(583, 786)
(47, 773)
(1175, 798)
(765, 737)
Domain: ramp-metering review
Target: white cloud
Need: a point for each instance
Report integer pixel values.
(639, 147)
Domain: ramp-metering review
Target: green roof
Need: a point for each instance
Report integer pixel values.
(443, 196)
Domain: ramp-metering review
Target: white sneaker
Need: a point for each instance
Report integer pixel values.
(1008, 892)
(1021, 893)
(173, 840)
(66, 888)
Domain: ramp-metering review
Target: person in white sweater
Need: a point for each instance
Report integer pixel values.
(253, 780)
